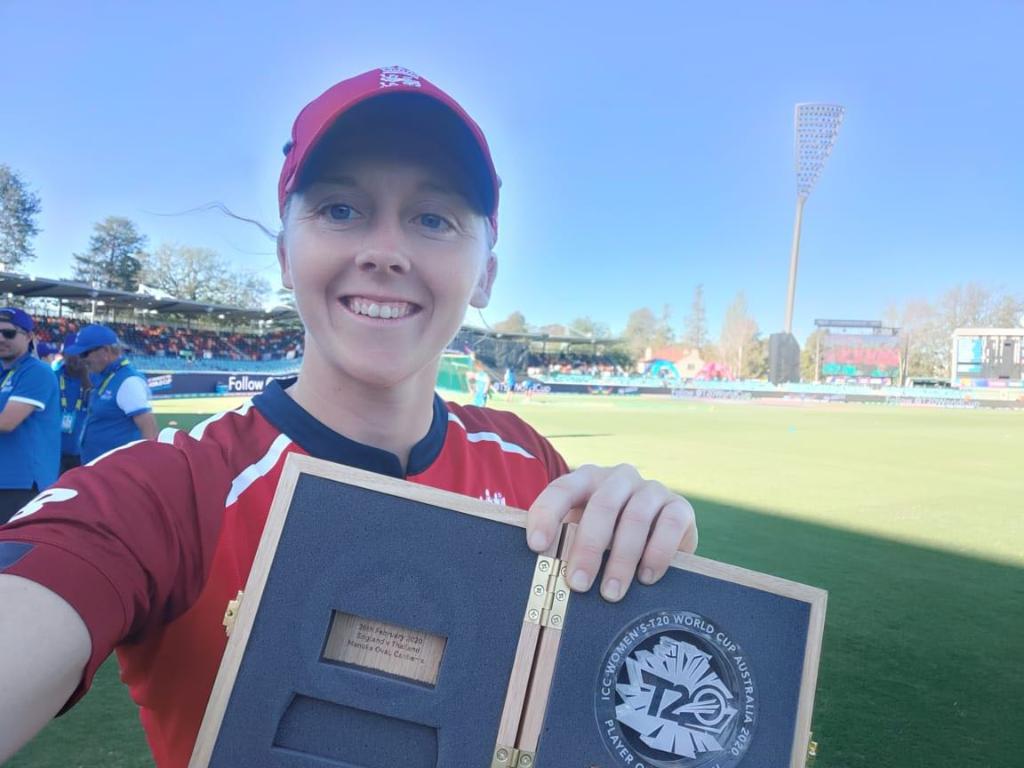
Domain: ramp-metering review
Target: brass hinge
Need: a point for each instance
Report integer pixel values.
(231, 613)
(549, 593)
(510, 757)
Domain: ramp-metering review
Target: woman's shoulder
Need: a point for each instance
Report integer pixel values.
(510, 431)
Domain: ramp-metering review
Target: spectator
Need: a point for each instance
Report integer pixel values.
(29, 416)
(75, 386)
(510, 383)
(119, 408)
(481, 387)
(47, 352)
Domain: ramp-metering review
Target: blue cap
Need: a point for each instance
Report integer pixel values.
(69, 340)
(45, 348)
(17, 317)
(91, 337)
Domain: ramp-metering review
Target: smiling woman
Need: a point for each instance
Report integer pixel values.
(388, 198)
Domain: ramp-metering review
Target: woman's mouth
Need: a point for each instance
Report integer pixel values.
(379, 309)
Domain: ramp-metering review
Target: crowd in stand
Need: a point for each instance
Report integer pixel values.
(183, 343)
(188, 343)
(595, 366)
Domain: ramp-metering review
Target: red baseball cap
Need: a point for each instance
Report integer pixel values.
(317, 118)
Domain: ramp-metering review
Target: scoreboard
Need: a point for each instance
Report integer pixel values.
(860, 358)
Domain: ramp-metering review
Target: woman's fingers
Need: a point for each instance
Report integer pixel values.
(631, 537)
(642, 522)
(599, 524)
(556, 501)
(675, 530)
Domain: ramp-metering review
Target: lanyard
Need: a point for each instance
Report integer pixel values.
(12, 371)
(63, 394)
(110, 375)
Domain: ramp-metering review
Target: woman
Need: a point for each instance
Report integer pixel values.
(388, 198)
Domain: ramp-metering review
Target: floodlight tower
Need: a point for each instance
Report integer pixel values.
(816, 127)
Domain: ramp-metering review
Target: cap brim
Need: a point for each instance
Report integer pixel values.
(78, 349)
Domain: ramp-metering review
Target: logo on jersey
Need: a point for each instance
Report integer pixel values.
(495, 498)
(392, 76)
(44, 498)
(674, 691)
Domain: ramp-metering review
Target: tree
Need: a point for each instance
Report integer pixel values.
(514, 323)
(243, 289)
(663, 333)
(185, 272)
(755, 360)
(739, 331)
(286, 298)
(203, 275)
(695, 328)
(115, 256)
(587, 326)
(923, 349)
(810, 356)
(18, 209)
(1006, 312)
(926, 328)
(640, 330)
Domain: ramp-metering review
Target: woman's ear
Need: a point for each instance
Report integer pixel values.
(284, 262)
(482, 291)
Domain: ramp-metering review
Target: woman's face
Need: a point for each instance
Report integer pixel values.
(384, 256)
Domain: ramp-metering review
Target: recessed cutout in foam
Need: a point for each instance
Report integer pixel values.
(338, 735)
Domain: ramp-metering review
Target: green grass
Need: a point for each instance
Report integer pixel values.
(911, 518)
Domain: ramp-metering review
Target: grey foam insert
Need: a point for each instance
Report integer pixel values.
(379, 557)
(348, 736)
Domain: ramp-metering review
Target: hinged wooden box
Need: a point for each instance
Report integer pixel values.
(390, 624)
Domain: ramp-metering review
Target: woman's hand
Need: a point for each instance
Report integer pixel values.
(642, 521)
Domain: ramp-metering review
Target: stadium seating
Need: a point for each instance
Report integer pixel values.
(174, 347)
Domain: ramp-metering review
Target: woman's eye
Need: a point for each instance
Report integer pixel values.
(339, 212)
(434, 222)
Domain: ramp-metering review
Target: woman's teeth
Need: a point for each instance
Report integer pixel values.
(383, 310)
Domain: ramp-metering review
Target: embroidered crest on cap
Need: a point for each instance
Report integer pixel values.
(392, 76)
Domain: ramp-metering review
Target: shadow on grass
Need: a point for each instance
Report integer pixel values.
(921, 659)
(920, 665)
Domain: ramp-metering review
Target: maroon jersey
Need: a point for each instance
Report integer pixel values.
(151, 543)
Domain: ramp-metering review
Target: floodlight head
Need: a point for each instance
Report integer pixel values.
(816, 127)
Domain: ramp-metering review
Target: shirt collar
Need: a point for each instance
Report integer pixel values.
(19, 361)
(113, 366)
(324, 443)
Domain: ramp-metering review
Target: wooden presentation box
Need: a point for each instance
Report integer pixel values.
(389, 624)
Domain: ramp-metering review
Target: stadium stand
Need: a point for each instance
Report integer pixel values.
(163, 344)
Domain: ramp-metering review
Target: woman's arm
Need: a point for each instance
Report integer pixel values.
(44, 647)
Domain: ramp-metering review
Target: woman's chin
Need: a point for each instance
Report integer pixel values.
(382, 375)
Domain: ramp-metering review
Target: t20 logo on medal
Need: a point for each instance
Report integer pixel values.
(675, 691)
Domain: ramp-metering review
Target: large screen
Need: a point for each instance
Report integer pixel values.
(860, 357)
(994, 358)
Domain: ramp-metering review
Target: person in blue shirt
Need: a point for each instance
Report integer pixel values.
(481, 387)
(74, 386)
(29, 415)
(119, 410)
(47, 352)
(510, 383)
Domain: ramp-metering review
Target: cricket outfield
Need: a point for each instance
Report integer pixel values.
(911, 518)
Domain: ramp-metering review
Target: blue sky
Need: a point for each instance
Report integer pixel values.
(644, 147)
